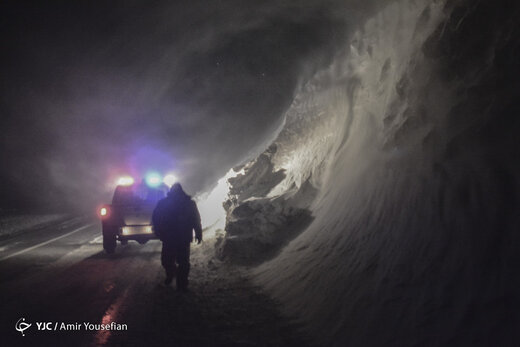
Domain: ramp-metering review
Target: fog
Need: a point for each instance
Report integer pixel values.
(92, 91)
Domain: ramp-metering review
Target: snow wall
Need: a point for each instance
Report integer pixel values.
(386, 211)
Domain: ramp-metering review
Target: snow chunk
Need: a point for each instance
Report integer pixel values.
(257, 229)
(258, 226)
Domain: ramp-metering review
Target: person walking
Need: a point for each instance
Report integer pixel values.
(174, 219)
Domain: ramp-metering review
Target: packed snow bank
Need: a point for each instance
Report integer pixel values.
(210, 205)
(259, 225)
(404, 152)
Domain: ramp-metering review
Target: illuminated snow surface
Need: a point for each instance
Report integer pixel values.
(386, 207)
(12, 222)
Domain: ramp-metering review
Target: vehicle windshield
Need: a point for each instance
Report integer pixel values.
(138, 194)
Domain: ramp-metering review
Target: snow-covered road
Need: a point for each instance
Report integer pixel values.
(59, 274)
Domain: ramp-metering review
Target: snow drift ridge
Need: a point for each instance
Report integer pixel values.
(389, 149)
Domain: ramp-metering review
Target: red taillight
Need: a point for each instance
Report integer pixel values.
(104, 212)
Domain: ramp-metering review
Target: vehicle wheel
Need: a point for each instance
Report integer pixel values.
(124, 242)
(109, 241)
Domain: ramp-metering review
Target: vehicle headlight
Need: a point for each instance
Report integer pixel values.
(125, 181)
(169, 180)
(153, 179)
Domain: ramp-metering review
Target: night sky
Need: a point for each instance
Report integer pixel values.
(91, 90)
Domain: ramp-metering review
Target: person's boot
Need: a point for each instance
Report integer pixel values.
(182, 284)
(168, 280)
(169, 277)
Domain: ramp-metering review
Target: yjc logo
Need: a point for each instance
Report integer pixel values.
(21, 326)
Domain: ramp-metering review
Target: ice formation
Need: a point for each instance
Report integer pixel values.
(408, 194)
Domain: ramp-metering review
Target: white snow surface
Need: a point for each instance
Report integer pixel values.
(385, 258)
(12, 223)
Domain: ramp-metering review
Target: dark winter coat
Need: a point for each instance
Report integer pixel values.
(174, 219)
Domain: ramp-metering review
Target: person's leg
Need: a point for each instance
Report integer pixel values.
(168, 262)
(183, 259)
